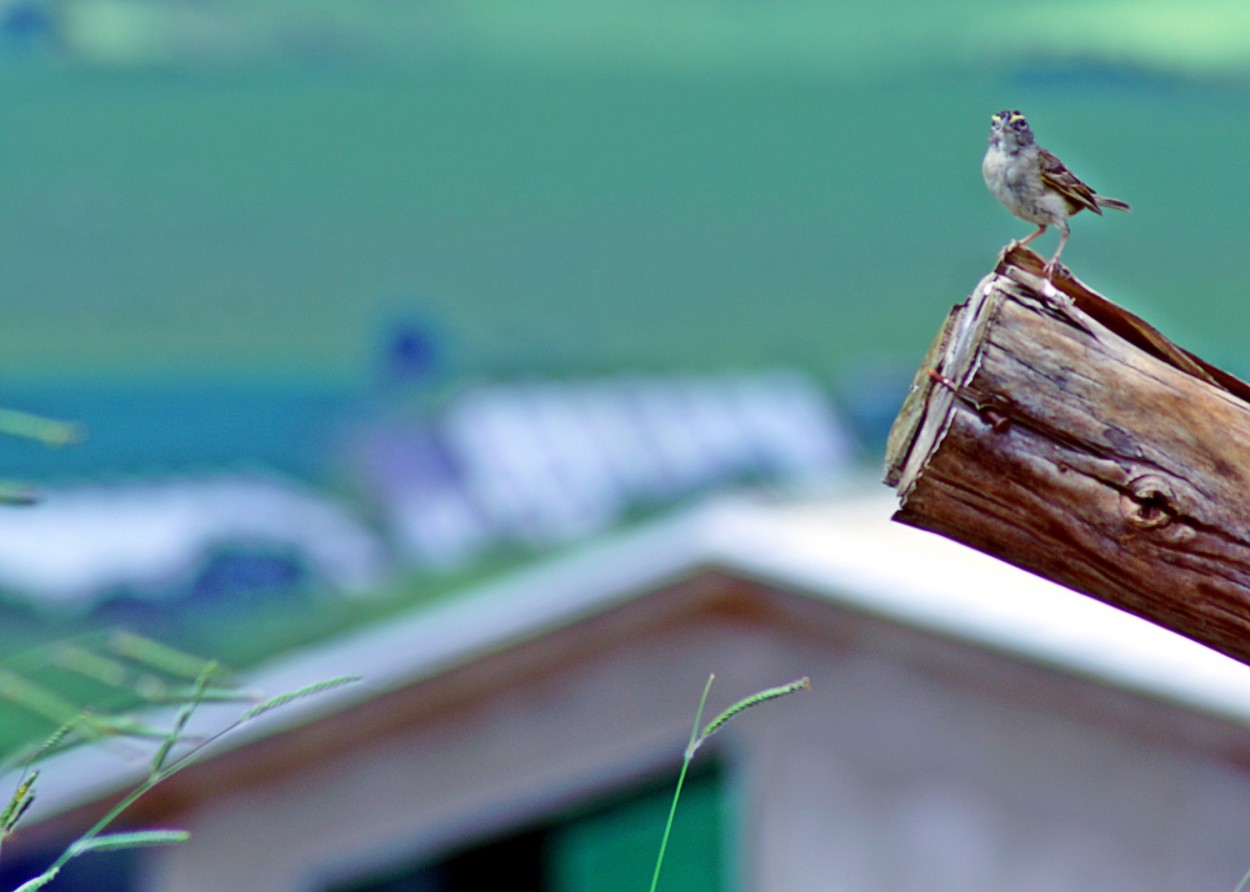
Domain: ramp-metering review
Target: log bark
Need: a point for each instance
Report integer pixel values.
(1052, 429)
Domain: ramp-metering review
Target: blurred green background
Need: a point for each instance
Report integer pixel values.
(212, 214)
(567, 187)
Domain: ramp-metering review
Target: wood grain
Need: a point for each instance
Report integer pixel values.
(1052, 429)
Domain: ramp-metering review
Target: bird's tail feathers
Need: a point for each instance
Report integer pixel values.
(1114, 203)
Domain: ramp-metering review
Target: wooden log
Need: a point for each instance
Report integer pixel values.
(1056, 431)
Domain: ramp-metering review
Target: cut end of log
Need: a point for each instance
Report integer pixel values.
(953, 353)
(1056, 431)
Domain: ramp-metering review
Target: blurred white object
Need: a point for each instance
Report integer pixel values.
(82, 543)
(543, 462)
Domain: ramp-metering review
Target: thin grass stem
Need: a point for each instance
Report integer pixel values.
(681, 779)
(1242, 884)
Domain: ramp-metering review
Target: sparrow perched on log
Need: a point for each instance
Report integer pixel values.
(1035, 185)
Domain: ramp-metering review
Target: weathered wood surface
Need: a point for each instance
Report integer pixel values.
(1056, 431)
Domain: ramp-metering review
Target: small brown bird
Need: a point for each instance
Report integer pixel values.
(1035, 185)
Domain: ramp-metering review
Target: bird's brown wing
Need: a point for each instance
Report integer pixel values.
(1056, 175)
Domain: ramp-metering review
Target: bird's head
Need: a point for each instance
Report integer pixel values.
(1010, 130)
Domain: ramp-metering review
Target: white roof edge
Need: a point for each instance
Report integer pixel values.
(401, 650)
(846, 553)
(851, 553)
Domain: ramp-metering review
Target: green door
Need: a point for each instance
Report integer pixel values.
(614, 847)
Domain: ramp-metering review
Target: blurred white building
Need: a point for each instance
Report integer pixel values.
(81, 544)
(545, 462)
(970, 727)
(527, 465)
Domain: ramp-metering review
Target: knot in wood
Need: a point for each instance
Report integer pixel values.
(1148, 502)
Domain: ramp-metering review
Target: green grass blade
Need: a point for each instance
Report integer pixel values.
(802, 684)
(1244, 880)
(54, 742)
(17, 494)
(112, 842)
(36, 698)
(40, 881)
(696, 739)
(283, 699)
(155, 656)
(36, 427)
(23, 796)
(180, 720)
(681, 779)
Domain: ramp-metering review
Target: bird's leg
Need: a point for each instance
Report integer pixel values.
(1053, 263)
(1040, 230)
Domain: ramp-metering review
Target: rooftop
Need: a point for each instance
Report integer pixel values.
(842, 552)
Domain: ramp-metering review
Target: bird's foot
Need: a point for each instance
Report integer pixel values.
(1049, 289)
